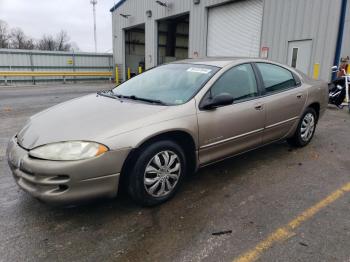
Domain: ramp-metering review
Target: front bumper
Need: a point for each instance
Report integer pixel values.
(66, 182)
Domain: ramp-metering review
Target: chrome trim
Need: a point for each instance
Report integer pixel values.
(282, 122)
(232, 138)
(100, 177)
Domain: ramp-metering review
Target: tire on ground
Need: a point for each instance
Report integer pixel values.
(296, 140)
(135, 182)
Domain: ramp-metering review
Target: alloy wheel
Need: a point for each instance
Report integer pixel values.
(307, 127)
(162, 173)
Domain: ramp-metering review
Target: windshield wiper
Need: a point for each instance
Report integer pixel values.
(133, 97)
(107, 93)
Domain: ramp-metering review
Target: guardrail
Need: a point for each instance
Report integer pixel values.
(7, 74)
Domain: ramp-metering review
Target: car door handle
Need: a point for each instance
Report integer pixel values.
(299, 96)
(259, 107)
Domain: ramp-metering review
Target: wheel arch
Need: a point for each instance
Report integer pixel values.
(184, 139)
(317, 107)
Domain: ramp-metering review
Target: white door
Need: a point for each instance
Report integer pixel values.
(234, 29)
(299, 55)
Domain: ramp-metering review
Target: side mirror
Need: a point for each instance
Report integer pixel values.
(223, 99)
(334, 69)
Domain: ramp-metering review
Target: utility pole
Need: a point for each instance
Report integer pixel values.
(94, 3)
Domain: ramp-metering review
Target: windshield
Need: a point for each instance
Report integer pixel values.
(171, 84)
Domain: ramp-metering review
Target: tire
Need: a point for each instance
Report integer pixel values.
(166, 164)
(305, 130)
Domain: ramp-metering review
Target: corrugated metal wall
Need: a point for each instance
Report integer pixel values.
(317, 20)
(284, 21)
(28, 60)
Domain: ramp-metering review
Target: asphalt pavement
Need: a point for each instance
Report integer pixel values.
(273, 204)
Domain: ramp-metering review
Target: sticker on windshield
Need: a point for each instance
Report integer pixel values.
(199, 70)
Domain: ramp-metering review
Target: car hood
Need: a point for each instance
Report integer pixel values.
(89, 118)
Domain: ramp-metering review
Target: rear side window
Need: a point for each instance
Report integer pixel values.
(275, 78)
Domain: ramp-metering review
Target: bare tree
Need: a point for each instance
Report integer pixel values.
(58, 43)
(19, 40)
(4, 35)
(16, 39)
(62, 41)
(30, 44)
(47, 42)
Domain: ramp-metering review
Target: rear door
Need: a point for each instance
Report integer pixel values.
(284, 99)
(231, 129)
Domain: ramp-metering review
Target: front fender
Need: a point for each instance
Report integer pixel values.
(135, 138)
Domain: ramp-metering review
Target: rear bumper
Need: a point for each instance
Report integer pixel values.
(66, 182)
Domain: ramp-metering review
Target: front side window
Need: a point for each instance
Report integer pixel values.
(172, 84)
(239, 82)
(275, 78)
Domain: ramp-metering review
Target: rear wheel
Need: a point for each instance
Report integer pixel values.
(305, 130)
(157, 173)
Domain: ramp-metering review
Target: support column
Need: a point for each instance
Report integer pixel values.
(151, 47)
(32, 66)
(74, 69)
(197, 47)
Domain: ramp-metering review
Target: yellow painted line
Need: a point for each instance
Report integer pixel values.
(53, 73)
(286, 231)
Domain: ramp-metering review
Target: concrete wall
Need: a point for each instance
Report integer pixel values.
(284, 20)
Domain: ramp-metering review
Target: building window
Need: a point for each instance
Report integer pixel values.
(295, 57)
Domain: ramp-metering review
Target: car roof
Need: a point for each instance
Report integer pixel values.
(222, 62)
(219, 61)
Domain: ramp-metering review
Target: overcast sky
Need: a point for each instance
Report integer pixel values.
(38, 17)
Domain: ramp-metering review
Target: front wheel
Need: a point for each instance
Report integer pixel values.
(305, 130)
(157, 173)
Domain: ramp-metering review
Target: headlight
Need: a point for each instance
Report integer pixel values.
(73, 150)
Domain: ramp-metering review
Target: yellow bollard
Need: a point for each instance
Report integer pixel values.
(116, 75)
(140, 70)
(129, 73)
(316, 73)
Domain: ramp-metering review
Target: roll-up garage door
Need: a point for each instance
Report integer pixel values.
(234, 29)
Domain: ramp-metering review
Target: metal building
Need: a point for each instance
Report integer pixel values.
(311, 35)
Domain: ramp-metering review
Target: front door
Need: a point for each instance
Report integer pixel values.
(299, 55)
(232, 129)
